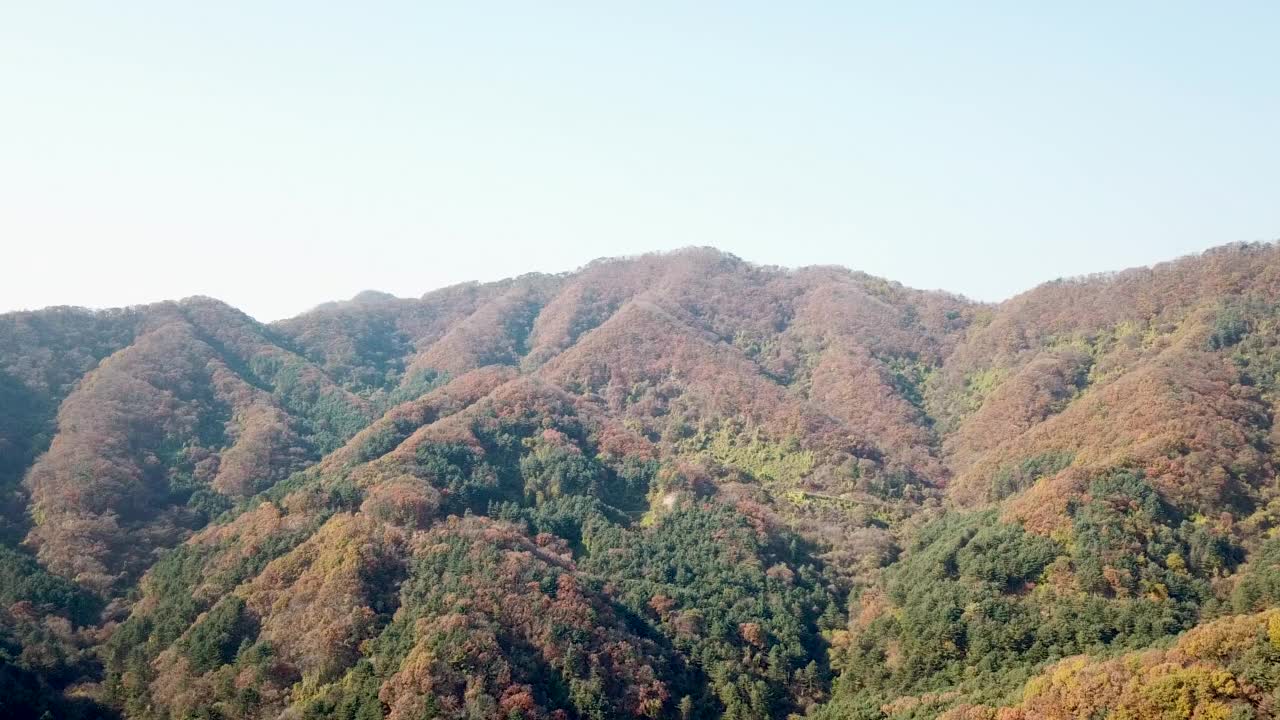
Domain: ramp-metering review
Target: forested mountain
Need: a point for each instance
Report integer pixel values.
(676, 485)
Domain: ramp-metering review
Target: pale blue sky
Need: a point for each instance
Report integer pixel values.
(277, 155)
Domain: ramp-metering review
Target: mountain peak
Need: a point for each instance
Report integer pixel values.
(604, 492)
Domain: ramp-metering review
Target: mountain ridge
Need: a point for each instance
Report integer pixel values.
(860, 453)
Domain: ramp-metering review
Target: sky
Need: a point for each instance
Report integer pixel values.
(277, 155)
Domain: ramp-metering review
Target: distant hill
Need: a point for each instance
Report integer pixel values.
(674, 485)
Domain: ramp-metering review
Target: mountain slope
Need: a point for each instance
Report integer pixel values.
(672, 485)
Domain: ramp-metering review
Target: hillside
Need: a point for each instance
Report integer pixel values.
(676, 485)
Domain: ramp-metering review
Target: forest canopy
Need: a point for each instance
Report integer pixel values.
(670, 486)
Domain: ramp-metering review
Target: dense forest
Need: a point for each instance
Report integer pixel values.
(670, 486)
